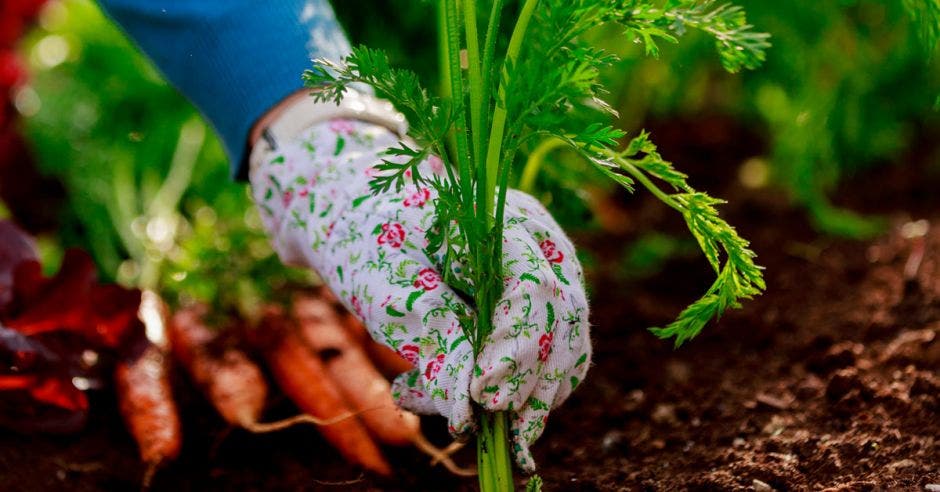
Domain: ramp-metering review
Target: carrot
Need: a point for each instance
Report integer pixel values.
(144, 395)
(230, 380)
(360, 384)
(329, 296)
(146, 402)
(301, 375)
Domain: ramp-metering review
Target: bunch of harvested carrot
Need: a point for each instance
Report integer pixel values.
(359, 382)
(231, 381)
(143, 389)
(319, 358)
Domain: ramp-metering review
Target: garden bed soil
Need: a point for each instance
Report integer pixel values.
(828, 381)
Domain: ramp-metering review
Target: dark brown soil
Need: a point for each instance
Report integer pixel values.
(828, 381)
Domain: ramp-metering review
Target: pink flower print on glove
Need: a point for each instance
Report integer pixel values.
(545, 345)
(434, 367)
(411, 353)
(418, 199)
(551, 252)
(427, 280)
(393, 234)
(342, 127)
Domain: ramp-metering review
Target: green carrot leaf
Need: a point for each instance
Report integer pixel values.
(738, 277)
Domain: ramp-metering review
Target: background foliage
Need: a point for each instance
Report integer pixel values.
(147, 181)
(846, 86)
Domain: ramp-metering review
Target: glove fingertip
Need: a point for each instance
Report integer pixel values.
(521, 454)
(461, 422)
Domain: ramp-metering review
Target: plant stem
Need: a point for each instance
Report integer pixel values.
(464, 166)
(123, 208)
(495, 467)
(444, 62)
(645, 181)
(535, 161)
(167, 199)
(504, 169)
(179, 177)
(489, 55)
(500, 113)
(493, 461)
(475, 79)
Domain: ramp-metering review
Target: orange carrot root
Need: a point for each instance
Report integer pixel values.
(147, 405)
(450, 450)
(142, 385)
(265, 427)
(231, 381)
(302, 376)
(442, 456)
(151, 471)
(385, 359)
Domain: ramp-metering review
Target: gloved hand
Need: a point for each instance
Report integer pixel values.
(315, 201)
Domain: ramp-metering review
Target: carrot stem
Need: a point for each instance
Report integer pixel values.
(493, 453)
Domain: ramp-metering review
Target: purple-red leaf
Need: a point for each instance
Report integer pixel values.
(73, 301)
(49, 329)
(15, 248)
(36, 381)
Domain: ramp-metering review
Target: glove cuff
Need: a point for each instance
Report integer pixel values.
(305, 113)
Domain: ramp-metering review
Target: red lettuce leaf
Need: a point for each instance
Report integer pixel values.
(73, 301)
(49, 330)
(37, 385)
(15, 248)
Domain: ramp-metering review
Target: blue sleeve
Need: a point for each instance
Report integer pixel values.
(234, 59)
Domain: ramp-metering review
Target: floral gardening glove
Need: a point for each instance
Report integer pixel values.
(315, 201)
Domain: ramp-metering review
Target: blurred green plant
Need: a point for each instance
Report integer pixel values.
(647, 255)
(845, 87)
(404, 28)
(148, 185)
(926, 16)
